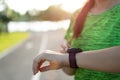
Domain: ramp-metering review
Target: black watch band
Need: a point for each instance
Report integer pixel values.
(72, 56)
(72, 60)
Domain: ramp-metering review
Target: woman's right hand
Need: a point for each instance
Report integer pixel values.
(64, 47)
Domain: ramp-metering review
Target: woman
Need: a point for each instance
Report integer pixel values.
(99, 40)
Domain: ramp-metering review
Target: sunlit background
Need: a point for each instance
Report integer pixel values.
(33, 7)
(36, 15)
(28, 27)
(24, 5)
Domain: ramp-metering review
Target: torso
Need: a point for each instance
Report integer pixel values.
(100, 31)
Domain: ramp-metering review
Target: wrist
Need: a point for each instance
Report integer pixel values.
(72, 57)
(65, 60)
(72, 60)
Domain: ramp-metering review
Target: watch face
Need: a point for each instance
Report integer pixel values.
(74, 50)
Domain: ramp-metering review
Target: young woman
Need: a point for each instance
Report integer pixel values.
(95, 30)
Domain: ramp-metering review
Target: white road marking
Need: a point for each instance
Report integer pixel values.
(43, 46)
(36, 77)
(44, 42)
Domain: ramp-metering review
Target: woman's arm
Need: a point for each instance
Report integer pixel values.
(107, 60)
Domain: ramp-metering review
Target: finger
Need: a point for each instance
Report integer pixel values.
(63, 46)
(34, 68)
(36, 65)
(40, 64)
(45, 68)
(52, 66)
(62, 51)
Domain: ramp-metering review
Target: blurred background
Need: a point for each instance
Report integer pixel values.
(28, 27)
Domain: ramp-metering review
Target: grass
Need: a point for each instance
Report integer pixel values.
(8, 40)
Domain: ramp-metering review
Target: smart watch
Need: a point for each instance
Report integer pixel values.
(72, 56)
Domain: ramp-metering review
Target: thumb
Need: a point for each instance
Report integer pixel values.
(45, 68)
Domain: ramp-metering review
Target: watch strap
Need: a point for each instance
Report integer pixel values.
(72, 60)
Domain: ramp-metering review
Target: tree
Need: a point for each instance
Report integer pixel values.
(4, 18)
(53, 13)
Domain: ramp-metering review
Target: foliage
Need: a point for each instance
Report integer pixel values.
(4, 18)
(2, 27)
(53, 13)
(14, 15)
(3, 23)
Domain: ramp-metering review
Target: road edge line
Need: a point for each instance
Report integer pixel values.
(43, 46)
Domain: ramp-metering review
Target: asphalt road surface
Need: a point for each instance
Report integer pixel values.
(17, 65)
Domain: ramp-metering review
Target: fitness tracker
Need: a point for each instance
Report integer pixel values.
(72, 56)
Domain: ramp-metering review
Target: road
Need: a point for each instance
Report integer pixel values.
(17, 65)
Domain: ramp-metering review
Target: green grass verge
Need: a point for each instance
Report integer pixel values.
(8, 40)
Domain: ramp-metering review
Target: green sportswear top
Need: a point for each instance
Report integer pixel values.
(100, 31)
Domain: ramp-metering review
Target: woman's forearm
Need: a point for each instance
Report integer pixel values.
(107, 60)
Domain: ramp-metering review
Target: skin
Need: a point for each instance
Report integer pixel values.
(101, 6)
(106, 60)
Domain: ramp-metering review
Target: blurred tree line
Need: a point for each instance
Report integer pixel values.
(53, 13)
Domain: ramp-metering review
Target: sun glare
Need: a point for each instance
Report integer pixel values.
(71, 6)
(24, 5)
